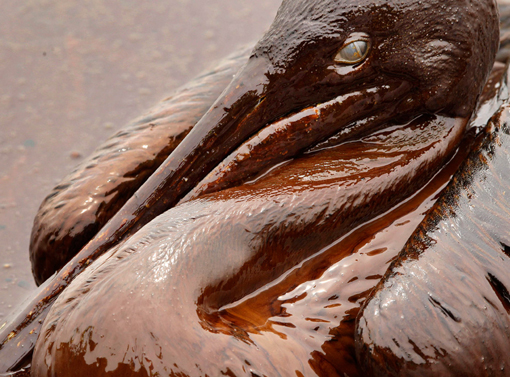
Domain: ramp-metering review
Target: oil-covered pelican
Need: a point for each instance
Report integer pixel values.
(343, 112)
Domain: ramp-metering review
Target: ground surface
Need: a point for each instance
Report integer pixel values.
(72, 72)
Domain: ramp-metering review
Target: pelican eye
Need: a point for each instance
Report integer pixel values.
(353, 52)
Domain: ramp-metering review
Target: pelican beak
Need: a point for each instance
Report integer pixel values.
(247, 105)
(241, 110)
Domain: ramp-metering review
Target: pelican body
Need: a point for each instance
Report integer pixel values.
(250, 223)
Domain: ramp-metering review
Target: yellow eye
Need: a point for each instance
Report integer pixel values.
(353, 52)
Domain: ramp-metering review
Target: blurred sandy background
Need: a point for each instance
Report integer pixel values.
(72, 72)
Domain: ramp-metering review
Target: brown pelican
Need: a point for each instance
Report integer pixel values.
(341, 125)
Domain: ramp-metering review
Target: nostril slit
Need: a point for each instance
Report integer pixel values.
(500, 291)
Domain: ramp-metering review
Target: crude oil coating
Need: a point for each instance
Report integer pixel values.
(200, 265)
(216, 313)
(452, 278)
(384, 147)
